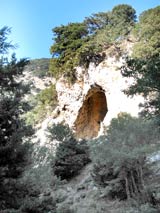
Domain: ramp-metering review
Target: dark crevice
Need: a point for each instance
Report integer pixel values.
(91, 114)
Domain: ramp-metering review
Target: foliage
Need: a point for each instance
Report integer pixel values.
(47, 96)
(65, 208)
(97, 21)
(37, 177)
(38, 185)
(78, 44)
(13, 149)
(144, 66)
(33, 190)
(39, 67)
(147, 33)
(70, 36)
(60, 132)
(132, 207)
(45, 204)
(71, 155)
(5, 45)
(121, 158)
(90, 52)
(122, 18)
(121, 22)
(68, 39)
(146, 74)
(44, 102)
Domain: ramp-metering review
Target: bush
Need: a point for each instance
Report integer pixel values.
(44, 102)
(65, 208)
(120, 159)
(39, 67)
(38, 205)
(71, 155)
(33, 191)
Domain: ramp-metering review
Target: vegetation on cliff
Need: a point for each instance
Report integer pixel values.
(41, 105)
(13, 149)
(125, 169)
(43, 96)
(122, 160)
(144, 65)
(78, 44)
(71, 155)
(39, 67)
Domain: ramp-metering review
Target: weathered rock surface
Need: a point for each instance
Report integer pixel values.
(95, 98)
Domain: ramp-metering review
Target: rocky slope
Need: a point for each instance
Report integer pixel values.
(87, 107)
(96, 97)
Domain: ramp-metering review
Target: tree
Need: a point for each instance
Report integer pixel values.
(123, 16)
(147, 33)
(121, 158)
(121, 21)
(97, 21)
(39, 67)
(68, 39)
(4, 45)
(71, 155)
(144, 65)
(78, 44)
(12, 128)
(42, 104)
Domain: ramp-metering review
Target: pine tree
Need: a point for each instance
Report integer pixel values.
(121, 159)
(12, 127)
(144, 65)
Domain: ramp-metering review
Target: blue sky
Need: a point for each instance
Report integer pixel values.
(32, 21)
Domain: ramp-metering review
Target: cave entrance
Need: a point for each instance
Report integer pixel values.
(91, 114)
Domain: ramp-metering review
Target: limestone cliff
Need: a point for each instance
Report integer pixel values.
(96, 97)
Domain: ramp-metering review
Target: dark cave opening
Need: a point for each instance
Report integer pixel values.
(91, 114)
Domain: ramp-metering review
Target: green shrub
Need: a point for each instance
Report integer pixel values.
(39, 67)
(10, 190)
(45, 102)
(38, 177)
(11, 211)
(36, 115)
(120, 159)
(71, 155)
(38, 205)
(65, 208)
(60, 132)
(37, 182)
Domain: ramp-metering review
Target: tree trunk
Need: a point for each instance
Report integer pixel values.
(134, 183)
(127, 188)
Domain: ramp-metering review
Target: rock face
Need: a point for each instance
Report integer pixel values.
(91, 114)
(97, 96)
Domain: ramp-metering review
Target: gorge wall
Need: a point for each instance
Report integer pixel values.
(95, 98)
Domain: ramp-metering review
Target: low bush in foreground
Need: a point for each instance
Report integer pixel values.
(121, 160)
(71, 155)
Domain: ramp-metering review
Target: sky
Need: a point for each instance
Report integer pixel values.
(32, 21)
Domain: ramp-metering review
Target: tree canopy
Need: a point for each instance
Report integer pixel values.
(12, 127)
(97, 21)
(121, 162)
(147, 33)
(122, 159)
(78, 44)
(144, 65)
(123, 18)
(68, 39)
